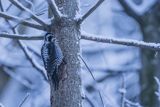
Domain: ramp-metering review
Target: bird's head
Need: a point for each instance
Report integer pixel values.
(49, 37)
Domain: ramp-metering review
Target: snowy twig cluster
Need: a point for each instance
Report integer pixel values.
(21, 21)
(21, 44)
(123, 91)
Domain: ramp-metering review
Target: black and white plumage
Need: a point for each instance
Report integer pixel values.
(52, 57)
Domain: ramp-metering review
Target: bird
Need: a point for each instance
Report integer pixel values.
(52, 57)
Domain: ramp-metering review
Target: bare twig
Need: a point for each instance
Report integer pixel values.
(101, 98)
(12, 74)
(89, 101)
(34, 52)
(133, 104)
(16, 36)
(20, 6)
(90, 11)
(21, 21)
(87, 67)
(10, 5)
(56, 12)
(20, 37)
(123, 91)
(27, 2)
(25, 98)
(93, 79)
(24, 48)
(158, 89)
(2, 9)
(1, 6)
(127, 42)
(130, 11)
(17, 77)
(33, 62)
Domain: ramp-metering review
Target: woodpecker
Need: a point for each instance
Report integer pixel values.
(52, 58)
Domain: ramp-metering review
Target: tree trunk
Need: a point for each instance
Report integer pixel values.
(150, 25)
(68, 35)
(150, 59)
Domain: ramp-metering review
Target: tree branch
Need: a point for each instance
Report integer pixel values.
(20, 6)
(56, 12)
(25, 49)
(1, 7)
(158, 87)
(130, 11)
(17, 77)
(127, 42)
(25, 98)
(34, 52)
(89, 101)
(123, 90)
(33, 62)
(21, 37)
(22, 21)
(90, 11)
(134, 104)
(93, 79)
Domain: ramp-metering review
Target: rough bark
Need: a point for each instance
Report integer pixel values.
(68, 35)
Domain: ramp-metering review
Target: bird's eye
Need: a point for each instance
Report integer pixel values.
(49, 38)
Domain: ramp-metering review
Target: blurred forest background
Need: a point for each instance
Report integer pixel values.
(124, 74)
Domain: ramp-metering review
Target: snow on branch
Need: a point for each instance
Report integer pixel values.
(127, 42)
(57, 14)
(123, 91)
(90, 11)
(21, 21)
(85, 36)
(134, 104)
(32, 60)
(20, 37)
(20, 6)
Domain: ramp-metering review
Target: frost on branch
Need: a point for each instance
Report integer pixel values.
(127, 42)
